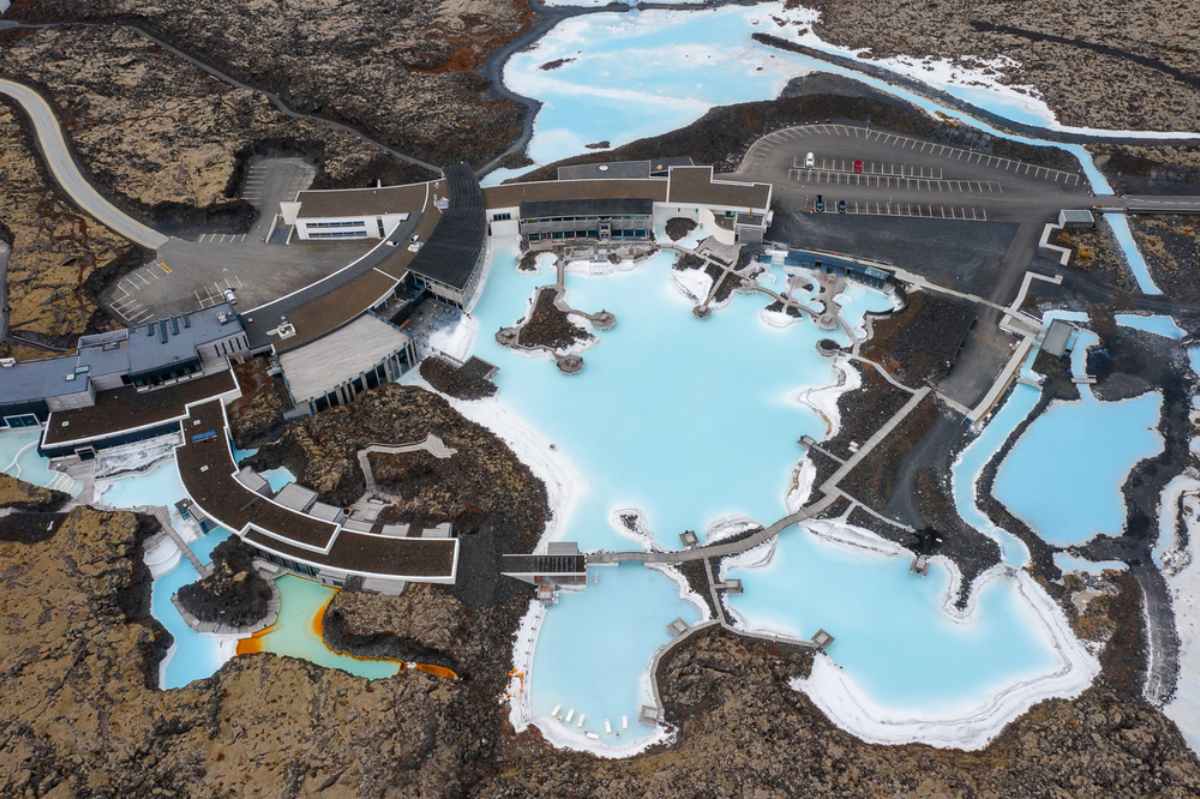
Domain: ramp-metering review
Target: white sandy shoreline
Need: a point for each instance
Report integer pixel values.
(969, 726)
(960, 725)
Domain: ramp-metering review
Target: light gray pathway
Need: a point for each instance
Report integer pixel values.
(164, 519)
(61, 164)
(717, 550)
(432, 444)
(829, 486)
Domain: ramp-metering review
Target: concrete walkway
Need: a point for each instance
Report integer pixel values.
(431, 444)
(57, 154)
(164, 519)
(829, 487)
(716, 550)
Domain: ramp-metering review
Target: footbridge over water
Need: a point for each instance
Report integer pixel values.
(714, 550)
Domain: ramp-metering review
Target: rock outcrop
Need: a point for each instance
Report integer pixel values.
(1098, 64)
(403, 71)
(454, 380)
(482, 484)
(58, 253)
(233, 593)
(81, 714)
(257, 415)
(19, 495)
(155, 132)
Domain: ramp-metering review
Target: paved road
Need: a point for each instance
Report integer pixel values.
(5, 251)
(66, 172)
(1155, 204)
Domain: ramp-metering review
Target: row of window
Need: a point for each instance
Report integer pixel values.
(355, 223)
(353, 234)
(372, 379)
(20, 420)
(504, 217)
(230, 346)
(593, 218)
(638, 233)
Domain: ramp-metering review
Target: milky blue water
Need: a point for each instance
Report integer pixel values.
(1152, 323)
(1063, 476)
(277, 478)
(1020, 403)
(240, 455)
(689, 421)
(19, 456)
(159, 485)
(1070, 563)
(1193, 354)
(296, 632)
(595, 644)
(194, 655)
(643, 74)
(891, 633)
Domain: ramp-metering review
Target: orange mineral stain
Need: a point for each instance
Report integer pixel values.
(316, 624)
(437, 671)
(254, 644)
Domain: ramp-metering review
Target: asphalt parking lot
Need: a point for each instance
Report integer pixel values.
(964, 219)
(876, 173)
(190, 275)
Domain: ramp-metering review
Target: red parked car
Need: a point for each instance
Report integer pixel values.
(858, 166)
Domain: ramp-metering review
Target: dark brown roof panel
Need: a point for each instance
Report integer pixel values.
(126, 409)
(510, 195)
(363, 202)
(373, 554)
(695, 184)
(339, 307)
(207, 469)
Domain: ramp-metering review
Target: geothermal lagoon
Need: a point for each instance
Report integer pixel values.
(693, 425)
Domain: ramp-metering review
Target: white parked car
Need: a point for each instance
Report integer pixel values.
(810, 161)
(231, 296)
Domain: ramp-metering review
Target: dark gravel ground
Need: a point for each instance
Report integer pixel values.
(921, 343)
(453, 380)
(548, 326)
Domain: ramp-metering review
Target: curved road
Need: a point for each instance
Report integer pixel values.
(225, 77)
(57, 154)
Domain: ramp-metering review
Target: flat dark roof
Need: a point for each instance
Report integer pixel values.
(208, 470)
(372, 554)
(34, 381)
(538, 209)
(329, 312)
(397, 262)
(695, 184)
(511, 195)
(452, 252)
(611, 169)
(660, 166)
(127, 408)
(208, 473)
(409, 198)
(165, 342)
